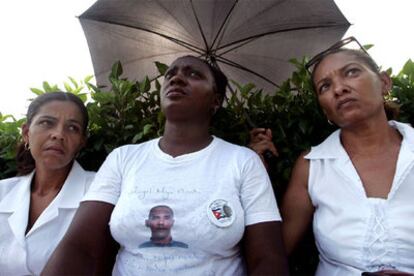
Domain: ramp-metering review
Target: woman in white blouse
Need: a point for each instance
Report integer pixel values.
(37, 206)
(357, 185)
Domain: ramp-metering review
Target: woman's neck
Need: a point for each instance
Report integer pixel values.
(47, 181)
(368, 138)
(179, 139)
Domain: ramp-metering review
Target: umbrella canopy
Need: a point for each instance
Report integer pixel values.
(250, 40)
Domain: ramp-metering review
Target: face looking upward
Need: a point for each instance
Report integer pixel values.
(188, 91)
(348, 90)
(55, 134)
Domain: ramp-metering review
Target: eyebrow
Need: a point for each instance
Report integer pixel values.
(55, 119)
(184, 68)
(341, 70)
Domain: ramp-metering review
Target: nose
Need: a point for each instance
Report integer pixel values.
(339, 87)
(58, 133)
(178, 79)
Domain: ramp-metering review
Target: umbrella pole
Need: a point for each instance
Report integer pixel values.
(269, 157)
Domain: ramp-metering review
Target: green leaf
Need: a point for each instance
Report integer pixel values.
(368, 46)
(162, 68)
(47, 87)
(83, 97)
(157, 85)
(137, 137)
(408, 69)
(147, 128)
(93, 88)
(116, 71)
(74, 82)
(246, 89)
(145, 85)
(88, 78)
(37, 91)
(67, 87)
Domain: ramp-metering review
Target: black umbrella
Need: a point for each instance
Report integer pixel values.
(250, 40)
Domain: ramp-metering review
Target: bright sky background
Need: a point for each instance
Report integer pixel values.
(43, 40)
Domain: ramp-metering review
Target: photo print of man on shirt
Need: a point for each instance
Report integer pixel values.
(160, 221)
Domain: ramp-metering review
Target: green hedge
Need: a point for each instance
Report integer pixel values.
(130, 113)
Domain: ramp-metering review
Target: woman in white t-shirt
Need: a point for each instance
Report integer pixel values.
(357, 185)
(37, 206)
(187, 203)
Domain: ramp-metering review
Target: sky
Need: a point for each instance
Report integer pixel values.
(43, 40)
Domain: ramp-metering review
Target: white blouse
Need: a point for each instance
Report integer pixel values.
(354, 233)
(27, 254)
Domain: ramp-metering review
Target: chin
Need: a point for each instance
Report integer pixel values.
(350, 119)
(350, 123)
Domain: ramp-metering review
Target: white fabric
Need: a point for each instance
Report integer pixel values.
(139, 177)
(354, 233)
(27, 254)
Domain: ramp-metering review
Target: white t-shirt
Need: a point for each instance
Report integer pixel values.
(355, 233)
(27, 254)
(214, 193)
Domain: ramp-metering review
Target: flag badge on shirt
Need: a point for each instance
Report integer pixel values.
(220, 213)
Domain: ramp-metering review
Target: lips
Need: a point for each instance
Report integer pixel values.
(344, 102)
(162, 229)
(56, 149)
(175, 91)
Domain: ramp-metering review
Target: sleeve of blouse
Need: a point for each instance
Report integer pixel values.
(106, 185)
(257, 196)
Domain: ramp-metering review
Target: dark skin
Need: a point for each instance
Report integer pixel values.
(260, 141)
(262, 243)
(262, 248)
(188, 100)
(87, 248)
(188, 103)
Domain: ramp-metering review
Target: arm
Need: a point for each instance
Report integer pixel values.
(261, 245)
(297, 209)
(86, 245)
(263, 249)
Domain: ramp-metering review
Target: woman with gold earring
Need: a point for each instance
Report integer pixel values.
(37, 206)
(356, 187)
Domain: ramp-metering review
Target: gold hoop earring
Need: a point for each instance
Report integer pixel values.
(389, 93)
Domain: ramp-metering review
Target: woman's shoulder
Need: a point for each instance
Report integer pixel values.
(230, 148)
(406, 130)
(327, 149)
(6, 185)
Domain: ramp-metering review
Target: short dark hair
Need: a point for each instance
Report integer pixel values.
(160, 206)
(24, 159)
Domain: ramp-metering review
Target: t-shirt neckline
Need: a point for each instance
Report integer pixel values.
(185, 157)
